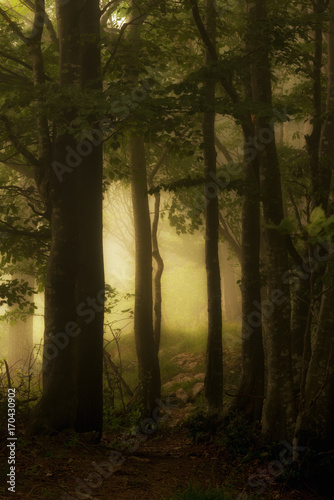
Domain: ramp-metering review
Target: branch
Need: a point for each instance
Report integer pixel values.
(109, 8)
(295, 208)
(227, 86)
(293, 251)
(21, 168)
(18, 145)
(229, 238)
(15, 28)
(47, 21)
(6, 75)
(157, 166)
(121, 33)
(196, 181)
(15, 59)
(223, 149)
(9, 229)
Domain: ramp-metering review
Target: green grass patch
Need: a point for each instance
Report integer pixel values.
(195, 493)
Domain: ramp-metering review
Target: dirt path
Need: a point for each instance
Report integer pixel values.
(55, 467)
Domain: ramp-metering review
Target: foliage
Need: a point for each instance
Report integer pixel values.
(320, 226)
(16, 292)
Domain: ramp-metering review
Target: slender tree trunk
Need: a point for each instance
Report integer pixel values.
(149, 370)
(157, 296)
(316, 410)
(278, 411)
(299, 326)
(214, 354)
(147, 353)
(319, 141)
(314, 425)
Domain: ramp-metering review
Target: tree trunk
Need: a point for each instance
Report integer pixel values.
(158, 273)
(299, 328)
(278, 411)
(72, 360)
(214, 354)
(157, 295)
(251, 390)
(314, 425)
(90, 270)
(316, 410)
(229, 287)
(148, 361)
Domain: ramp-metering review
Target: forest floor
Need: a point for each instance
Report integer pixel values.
(179, 461)
(61, 467)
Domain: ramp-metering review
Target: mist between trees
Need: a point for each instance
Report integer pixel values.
(177, 158)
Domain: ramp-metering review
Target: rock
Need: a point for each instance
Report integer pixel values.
(200, 376)
(167, 385)
(197, 388)
(182, 395)
(181, 377)
(192, 366)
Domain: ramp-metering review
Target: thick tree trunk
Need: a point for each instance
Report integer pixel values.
(72, 362)
(90, 271)
(57, 407)
(278, 411)
(149, 370)
(214, 354)
(251, 390)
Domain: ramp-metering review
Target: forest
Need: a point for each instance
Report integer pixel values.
(167, 249)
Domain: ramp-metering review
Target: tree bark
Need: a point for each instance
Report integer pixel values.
(214, 354)
(90, 269)
(73, 354)
(314, 425)
(157, 295)
(148, 361)
(278, 411)
(251, 390)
